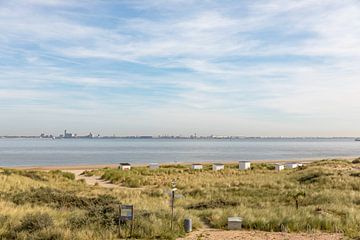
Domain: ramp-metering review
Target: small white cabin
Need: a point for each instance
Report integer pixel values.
(125, 166)
(197, 166)
(279, 167)
(218, 166)
(154, 165)
(291, 165)
(244, 165)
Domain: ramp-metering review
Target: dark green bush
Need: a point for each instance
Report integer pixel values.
(263, 166)
(3, 219)
(78, 221)
(30, 174)
(104, 215)
(35, 221)
(312, 177)
(48, 234)
(356, 161)
(67, 175)
(59, 199)
(220, 203)
(355, 174)
(33, 175)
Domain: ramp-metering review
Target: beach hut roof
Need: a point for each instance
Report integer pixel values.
(125, 164)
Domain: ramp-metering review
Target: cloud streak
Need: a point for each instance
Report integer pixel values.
(265, 62)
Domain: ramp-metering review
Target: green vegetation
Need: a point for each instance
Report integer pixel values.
(321, 196)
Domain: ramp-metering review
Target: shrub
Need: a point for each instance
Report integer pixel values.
(263, 166)
(87, 173)
(33, 175)
(30, 174)
(47, 234)
(213, 204)
(312, 177)
(78, 221)
(35, 221)
(59, 199)
(355, 174)
(67, 175)
(3, 219)
(7, 172)
(356, 161)
(104, 215)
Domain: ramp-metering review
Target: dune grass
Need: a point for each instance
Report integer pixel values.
(321, 196)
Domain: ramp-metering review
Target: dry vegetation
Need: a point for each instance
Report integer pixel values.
(321, 196)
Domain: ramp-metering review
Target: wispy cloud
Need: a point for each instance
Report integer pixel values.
(260, 61)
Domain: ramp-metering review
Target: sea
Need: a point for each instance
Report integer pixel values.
(63, 152)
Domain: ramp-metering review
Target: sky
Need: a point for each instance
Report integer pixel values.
(178, 67)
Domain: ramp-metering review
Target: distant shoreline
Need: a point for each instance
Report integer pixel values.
(115, 165)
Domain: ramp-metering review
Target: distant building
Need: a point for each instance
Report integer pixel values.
(154, 165)
(244, 165)
(218, 166)
(279, 167)
(68, 135)
(291, 165)
(197, 166)
(125, 166)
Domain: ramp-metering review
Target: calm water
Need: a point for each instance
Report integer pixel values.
(44, 152)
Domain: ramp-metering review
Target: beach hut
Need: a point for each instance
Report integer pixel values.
(244, 165)
(279, 167)
(218, 166)
(197, 166)
(291, 165)
(154, 165)
(125, 166)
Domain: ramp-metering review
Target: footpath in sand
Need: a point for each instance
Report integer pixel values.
(92, 180)
(214, 234)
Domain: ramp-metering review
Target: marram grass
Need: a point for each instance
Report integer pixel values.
(321, 196)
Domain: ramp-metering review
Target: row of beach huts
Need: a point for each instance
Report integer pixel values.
(243, 165)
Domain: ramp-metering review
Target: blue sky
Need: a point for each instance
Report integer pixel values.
(259, 68)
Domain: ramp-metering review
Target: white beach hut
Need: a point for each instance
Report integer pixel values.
(154, 165)
(291, 165)
(279, 167)
(244, 165)
(125, 166)
(197, 166)
(218, 166)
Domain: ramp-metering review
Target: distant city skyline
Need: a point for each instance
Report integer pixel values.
(236, 68)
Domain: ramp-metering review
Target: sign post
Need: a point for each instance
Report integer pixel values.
(126, 214)
(173, 183)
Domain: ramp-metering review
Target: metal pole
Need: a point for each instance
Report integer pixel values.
(172, 208)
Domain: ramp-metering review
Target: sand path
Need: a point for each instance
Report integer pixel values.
(92, 180)
(214, 234)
